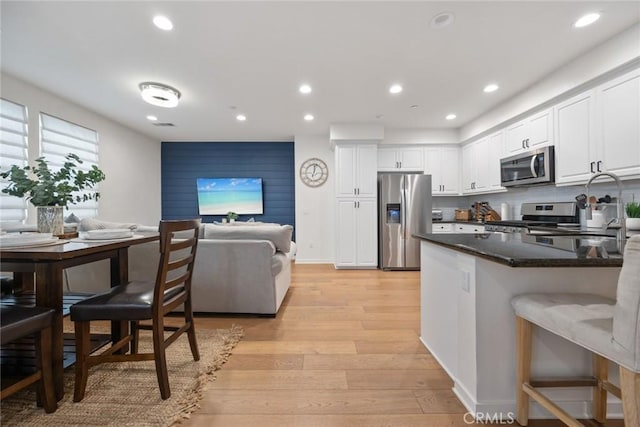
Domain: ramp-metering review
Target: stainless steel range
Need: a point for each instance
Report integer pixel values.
(552, 214)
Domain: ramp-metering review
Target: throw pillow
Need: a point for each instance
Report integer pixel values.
(279, 235)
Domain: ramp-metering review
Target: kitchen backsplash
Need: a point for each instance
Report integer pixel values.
(546, 193)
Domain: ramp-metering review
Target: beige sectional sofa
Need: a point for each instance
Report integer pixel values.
(239, 268)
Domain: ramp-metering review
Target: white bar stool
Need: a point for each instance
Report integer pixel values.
(609, 329)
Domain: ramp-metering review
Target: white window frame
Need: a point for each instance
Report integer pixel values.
(14, 124)
(59, 137)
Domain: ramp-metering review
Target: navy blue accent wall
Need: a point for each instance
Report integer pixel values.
(184, 162)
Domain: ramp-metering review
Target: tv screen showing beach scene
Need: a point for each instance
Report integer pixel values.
(218, 196)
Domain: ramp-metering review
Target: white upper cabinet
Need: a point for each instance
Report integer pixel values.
(618, 109)
(395, 159)
(598, 131)
(533, 132)
(481, 165)
(356, 170)
(443, 164)
(575, 147)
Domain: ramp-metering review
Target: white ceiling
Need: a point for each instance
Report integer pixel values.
(250, 57)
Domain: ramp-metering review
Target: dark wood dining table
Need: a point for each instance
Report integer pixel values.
(48, 264)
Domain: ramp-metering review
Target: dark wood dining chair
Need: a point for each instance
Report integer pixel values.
(18, 322)
(137, 301)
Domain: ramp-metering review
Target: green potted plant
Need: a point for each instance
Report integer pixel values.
(51, 191)
(232, 216)
(633, 215)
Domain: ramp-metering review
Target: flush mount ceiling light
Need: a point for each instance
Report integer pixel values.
(587, 19)
(491, 88)
(163, 23)
(443, 19)
(305, 89)
(159, 94)
(395, 89)
(450, 116)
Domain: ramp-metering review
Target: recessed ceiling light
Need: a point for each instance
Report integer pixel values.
(159, 94)
(491, 88)
(450, 116)
(395, 89)
(587, 19)
(305, 89)
(163, 23)
(443, 19)
(152, 118)
(241, 117)
(308, 117)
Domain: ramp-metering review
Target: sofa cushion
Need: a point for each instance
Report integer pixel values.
(87, 224)
(279, 235)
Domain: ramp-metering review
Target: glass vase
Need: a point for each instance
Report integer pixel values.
(50, 219)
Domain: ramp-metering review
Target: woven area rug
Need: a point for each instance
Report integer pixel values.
(127, 394)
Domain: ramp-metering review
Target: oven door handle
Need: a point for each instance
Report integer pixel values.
(534, 158)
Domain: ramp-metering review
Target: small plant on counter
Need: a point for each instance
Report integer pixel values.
(232, 216)
(633, 210)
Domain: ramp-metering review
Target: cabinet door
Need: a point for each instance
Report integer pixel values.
(345, 170)
(619, 113)
(442, 228)
(495, 144)
(367, 170)
(346, 237)
(468, 171)
(538, 132)
(433, 167)
(410, 159)
(480, 163)
(387, 160)
(450, 170)
(514, 139)
(366, 221)
(574, 139)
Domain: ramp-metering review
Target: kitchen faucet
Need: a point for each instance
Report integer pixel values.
(621, 233)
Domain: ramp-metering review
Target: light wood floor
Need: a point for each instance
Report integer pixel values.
(344, 350)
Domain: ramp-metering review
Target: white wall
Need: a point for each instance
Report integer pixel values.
(315, 206)
(130, 160)
(613, 53)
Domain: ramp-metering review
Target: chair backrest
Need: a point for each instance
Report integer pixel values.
(626, 315)
(175, 269)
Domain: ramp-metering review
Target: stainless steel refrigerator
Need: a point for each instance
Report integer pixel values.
(405, 208)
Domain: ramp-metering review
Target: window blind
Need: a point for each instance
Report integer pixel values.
(13, 151)
(57, 139)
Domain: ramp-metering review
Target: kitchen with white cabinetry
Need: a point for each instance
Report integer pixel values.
(400, 159)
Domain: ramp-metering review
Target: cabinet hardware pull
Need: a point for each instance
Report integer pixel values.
(592, 166)
(354, 190)
(598, 165)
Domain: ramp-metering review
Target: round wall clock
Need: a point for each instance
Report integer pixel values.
(314, 172)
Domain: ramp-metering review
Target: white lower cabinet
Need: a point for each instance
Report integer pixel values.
(468, 228)
(357, 233)
(442, 228)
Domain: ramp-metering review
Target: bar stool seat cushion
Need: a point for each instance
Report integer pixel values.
(584, 319)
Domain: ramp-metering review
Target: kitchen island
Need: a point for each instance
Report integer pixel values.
(468, 325)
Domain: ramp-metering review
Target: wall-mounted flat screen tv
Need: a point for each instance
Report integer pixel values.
(217, 196)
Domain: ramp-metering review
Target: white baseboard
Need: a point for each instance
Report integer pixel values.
(313, 261)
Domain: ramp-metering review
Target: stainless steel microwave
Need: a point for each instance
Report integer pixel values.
(530, 168)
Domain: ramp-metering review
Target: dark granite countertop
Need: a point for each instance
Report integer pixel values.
(530, 250)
